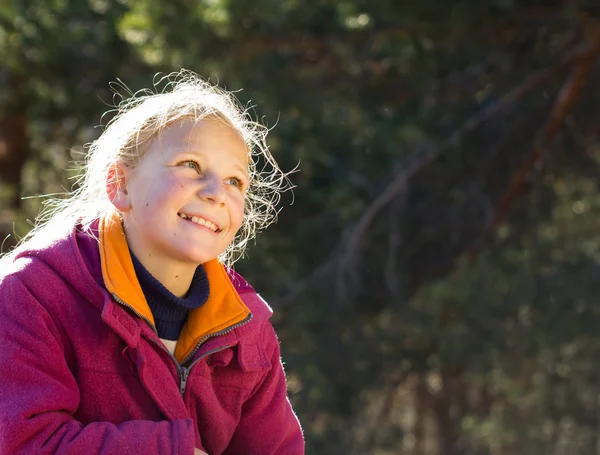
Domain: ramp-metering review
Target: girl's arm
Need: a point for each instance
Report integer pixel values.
(39, 394)
(268, 425)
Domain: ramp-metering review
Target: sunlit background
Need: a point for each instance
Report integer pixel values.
(436, 279)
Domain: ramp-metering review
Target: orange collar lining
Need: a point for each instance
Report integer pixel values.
(224, 307)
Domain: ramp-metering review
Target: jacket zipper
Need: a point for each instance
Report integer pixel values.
(216, 334)
(182, 371)
(183, 379)
(143, 318)
(185, 371)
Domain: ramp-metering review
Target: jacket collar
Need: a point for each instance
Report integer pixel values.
(223, 310)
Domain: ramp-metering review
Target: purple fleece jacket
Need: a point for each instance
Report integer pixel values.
(79, 374)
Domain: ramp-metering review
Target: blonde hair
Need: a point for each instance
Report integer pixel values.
(127, 136)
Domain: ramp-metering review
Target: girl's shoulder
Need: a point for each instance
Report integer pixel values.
(239, 282)
(255, 303)
(44, 248)
(46, 262)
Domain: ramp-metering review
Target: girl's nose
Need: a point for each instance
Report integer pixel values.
(213, 190)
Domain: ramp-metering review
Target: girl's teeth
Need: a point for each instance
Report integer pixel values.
(200, 221)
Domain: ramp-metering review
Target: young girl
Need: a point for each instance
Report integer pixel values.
(122, 330)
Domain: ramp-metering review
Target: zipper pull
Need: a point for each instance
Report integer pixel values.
(184, 373)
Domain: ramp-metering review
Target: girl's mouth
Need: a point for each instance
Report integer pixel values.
(201, 221)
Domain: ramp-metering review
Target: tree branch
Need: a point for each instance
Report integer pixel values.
(430, 152)
(565, 101)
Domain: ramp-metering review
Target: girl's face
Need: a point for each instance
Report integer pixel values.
(184, 202)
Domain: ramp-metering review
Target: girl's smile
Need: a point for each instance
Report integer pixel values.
(200, 221)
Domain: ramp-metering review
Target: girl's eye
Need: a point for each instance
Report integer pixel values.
(192, 165)
(234, 181)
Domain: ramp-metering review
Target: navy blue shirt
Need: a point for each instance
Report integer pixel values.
(169, 311)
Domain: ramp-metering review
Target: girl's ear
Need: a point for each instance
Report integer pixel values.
(116, 187)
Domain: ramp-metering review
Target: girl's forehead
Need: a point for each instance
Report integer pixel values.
(208, 134)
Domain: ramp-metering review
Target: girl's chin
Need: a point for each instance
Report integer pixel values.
(194, 251)
(198, 258)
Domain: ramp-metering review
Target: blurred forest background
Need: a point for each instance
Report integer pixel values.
(436, 279)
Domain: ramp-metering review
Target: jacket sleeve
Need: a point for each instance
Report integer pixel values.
(268, 425)
(39, 394)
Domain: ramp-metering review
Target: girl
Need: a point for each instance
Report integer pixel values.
(122, 330)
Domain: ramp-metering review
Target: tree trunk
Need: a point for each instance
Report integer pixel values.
(448, 425)
(13, 154)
